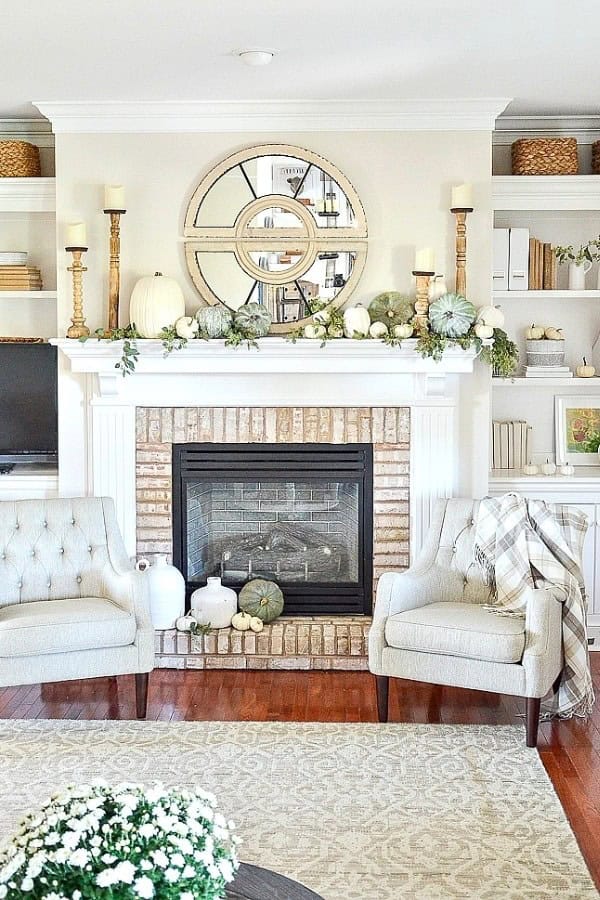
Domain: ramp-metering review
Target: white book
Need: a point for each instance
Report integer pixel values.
(500, 259)
(524, 433)
(496, 445)
(511, 445)
(518, 259)
(529, 444)
(504, 445)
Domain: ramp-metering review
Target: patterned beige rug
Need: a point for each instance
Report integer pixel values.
(356, 812)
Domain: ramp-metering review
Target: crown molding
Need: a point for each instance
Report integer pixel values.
(585, 128)
(36, 131)
(148, 116)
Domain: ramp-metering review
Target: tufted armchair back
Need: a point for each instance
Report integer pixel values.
(449, 547)
(57, 549)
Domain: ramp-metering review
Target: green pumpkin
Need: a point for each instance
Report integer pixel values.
(214, 320)
(253, 318)
(452, 315)
(262, 599)
(391, 308)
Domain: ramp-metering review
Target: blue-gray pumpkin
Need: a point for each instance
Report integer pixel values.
(254, 318)
(452, 315)
(215, 321)
(261, 598)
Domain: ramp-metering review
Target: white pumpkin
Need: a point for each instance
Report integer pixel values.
(491, 316)
(437, 288)
(484, 331)
(187, 327)
(534, 332)
(256, 624)
(185, 623)
(567, 469)
(335, 331)
(403, 331)
(585, 371)
(378, 330)
(241, 621)
(553, 334)
(548, 468)
(156, 303)
(314, 331)
(357, 321)
(323, 316)
(530, 469)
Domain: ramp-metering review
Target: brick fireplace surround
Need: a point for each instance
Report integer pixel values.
(300, 642)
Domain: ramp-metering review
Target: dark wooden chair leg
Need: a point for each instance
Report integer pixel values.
(383, 689)
(556, 684)
(532, 720)
(141, 694)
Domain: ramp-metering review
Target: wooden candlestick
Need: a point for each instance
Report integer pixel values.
(114, 267)
(461, 248)
(78, 329)
(422, 299)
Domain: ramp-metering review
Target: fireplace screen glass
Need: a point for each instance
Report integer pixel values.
(296, 531)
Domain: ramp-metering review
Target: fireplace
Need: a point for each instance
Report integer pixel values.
(298, 514)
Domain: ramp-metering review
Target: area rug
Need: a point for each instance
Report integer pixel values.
(355, 812)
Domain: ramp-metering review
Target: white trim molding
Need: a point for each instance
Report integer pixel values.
(280, 116)
(509, 128)
(36, 131)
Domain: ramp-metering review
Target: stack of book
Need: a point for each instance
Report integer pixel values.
(511, 444)
(20, 278)
(547, 372)
(543, 266)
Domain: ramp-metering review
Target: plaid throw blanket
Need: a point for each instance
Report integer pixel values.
(523, 544)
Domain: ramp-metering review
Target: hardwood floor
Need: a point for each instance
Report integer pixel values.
(570, 750)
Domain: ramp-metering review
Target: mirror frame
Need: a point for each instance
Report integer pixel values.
(240, 239)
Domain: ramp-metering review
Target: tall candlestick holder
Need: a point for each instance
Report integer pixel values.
(461, 213)
(114, 266)
(78, 329)
(422, 299)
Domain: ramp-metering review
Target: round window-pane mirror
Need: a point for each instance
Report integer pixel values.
(277, 225)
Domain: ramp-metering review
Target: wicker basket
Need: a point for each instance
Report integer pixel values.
(18, 159)
(545, 156)
(596, 158)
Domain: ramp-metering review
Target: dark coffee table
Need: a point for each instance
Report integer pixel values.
(254, 883)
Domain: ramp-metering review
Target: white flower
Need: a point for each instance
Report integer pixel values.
(172, 875)
(70, 839)
(79, 858)
(187, 895)
(125, 871)
(178, 860)
(147, 830)
(226, 869)
(53, 837)
(27, 884)
(188, 872)
(160, 858)
(108, 858)
(144, 887)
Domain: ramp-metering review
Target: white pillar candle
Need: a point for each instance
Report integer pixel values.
(462, 196)
(76, 235)
(425, 260)
(114, 196)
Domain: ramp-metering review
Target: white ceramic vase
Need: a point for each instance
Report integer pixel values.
(166, 591)
(577, 273)
(214, 605)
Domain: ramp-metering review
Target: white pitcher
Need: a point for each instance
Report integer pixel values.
(214, 605)
(166, 591)
(577, 273)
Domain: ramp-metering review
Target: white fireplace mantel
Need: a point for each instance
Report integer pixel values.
(97, 405)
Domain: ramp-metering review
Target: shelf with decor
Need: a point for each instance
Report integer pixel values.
(545, 192)
(521, 381)
(509, 296)
(27, 295)
(29, 195)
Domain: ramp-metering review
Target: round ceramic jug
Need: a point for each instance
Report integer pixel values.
(166, 591)
(214, 605)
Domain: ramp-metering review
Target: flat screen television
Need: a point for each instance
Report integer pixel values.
(28, 404)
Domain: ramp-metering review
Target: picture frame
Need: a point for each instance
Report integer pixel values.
(577, 429)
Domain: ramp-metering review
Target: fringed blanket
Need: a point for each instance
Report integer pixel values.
(524, 544)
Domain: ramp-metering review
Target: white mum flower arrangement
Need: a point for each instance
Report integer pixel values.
(124, 843)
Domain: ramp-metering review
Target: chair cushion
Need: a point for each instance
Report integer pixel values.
(458, 629)
(63, 626)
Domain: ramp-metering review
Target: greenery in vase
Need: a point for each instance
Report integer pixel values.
(589, 252)
(128, 842)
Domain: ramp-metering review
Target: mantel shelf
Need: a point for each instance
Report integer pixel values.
(275, 356)
(546, 192)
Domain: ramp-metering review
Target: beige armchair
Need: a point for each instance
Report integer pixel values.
(430, 625)
(71, 604)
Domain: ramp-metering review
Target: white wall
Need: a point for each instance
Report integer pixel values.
(403, 179)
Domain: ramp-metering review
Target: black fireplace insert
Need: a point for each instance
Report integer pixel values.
(297, 514)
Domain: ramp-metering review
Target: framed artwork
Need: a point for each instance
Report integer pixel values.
(577, 425)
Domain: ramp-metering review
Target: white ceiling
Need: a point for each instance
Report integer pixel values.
(544, 53)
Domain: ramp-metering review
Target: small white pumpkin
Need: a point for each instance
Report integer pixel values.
(534, 332)
(530, 469)
(548, 468)
(553, 334)
(256, 624)
(403, 331)
(357, 321)
(335, 331)
(314, 331)
(378, 330)
(437, 288)
(156, 303)
(323, 316)
(241, 621)
(567, 469)
(585, 371)
(484, 331)
(185, 623)
(187, 327)
(491, 315)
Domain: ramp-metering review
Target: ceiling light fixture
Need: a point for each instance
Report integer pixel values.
(255, 56)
